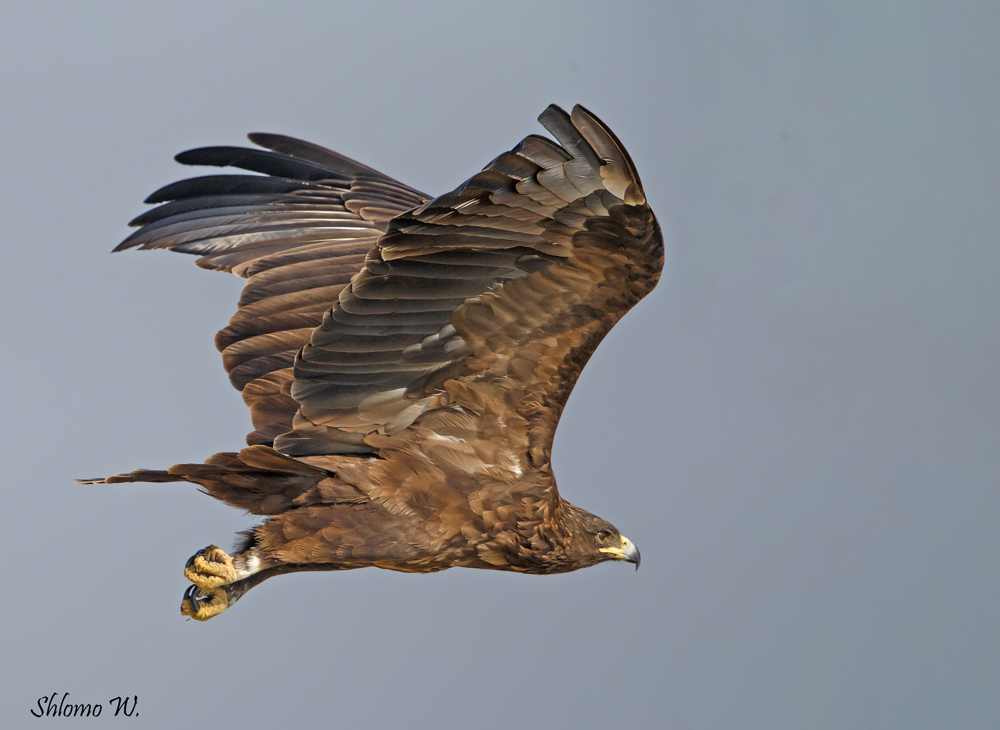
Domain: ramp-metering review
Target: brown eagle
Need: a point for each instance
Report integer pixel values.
(406, 359)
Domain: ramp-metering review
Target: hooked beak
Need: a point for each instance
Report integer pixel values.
(627, 552)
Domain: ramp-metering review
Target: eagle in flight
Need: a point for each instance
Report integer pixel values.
(406, 359)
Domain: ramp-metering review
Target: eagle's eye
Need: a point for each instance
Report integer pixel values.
(602, 535)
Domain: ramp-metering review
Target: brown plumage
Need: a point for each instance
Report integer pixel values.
(406, 360)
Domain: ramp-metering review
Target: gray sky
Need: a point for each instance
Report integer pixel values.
(799, 427)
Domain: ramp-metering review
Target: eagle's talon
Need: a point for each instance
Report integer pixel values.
(210, 568)
(210, 571)
(202, 607)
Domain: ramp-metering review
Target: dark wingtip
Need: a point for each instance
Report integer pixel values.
(264, 139)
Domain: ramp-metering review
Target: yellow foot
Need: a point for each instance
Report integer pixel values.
(203, 606)
(210, 568)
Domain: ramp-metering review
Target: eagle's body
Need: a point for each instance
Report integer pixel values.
(406, 360)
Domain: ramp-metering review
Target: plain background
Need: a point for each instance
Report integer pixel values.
(799, 427)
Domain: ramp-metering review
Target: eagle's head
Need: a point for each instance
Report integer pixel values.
(591, 540)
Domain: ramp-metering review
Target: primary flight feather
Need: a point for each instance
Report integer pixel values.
(406, 359)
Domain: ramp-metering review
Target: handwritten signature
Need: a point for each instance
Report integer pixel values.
(47, 707)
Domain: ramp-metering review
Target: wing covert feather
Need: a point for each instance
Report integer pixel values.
(517, 275)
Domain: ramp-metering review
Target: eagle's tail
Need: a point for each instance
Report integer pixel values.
(257, 479)
(139, 475)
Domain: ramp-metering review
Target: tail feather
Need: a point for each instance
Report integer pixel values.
(257, 479)
(139, 475)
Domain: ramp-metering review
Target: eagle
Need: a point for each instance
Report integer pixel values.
(405, 358)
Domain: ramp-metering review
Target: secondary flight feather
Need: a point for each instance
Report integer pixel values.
(406, 359)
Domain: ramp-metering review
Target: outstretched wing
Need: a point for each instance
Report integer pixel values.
(297, 235)
(515, 276)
